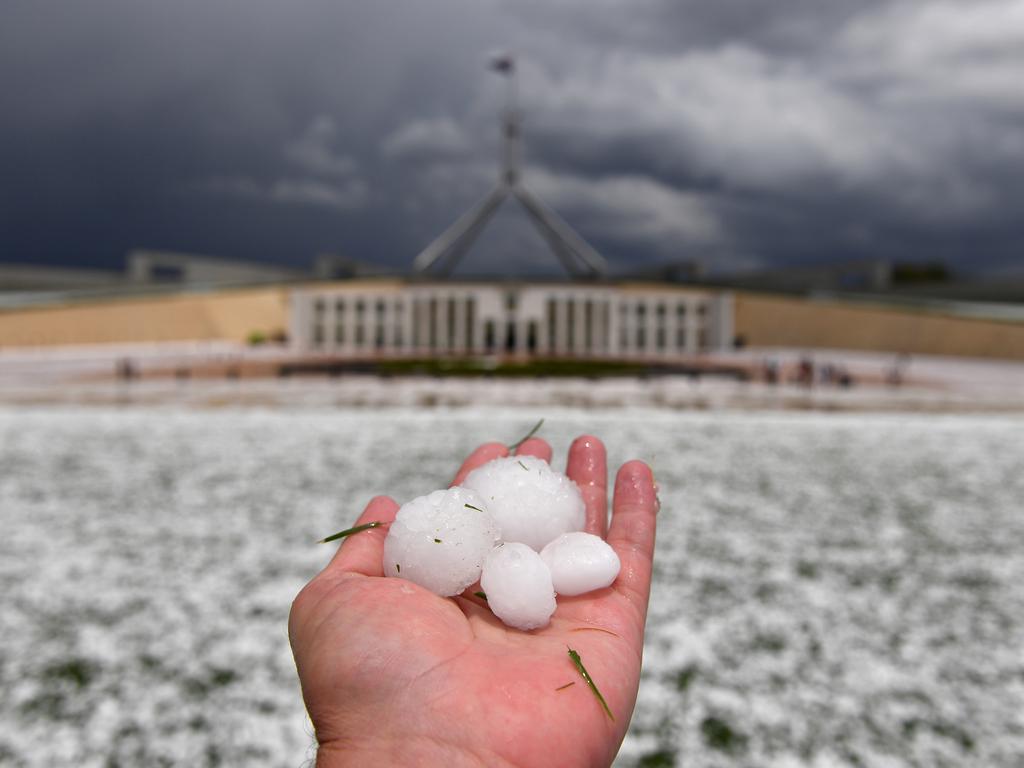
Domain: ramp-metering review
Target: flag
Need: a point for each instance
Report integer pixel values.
(503, 63)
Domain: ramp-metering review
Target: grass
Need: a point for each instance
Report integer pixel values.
(530, 369)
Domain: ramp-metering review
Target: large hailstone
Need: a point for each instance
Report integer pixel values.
(518, 586)
(440, 540)
(531, 503)
(580, 563)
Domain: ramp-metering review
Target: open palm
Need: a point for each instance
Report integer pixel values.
(394, 675)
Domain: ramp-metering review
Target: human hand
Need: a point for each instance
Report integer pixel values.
(395, 675)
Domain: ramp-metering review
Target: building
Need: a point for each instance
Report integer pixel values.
(394, 319)
(169, 268)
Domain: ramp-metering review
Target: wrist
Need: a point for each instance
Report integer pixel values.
(410, 751)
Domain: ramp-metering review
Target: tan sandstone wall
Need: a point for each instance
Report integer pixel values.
(775, 321)
(226, 315)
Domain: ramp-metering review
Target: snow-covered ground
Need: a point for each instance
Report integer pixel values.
(830, 589)
(84, 375)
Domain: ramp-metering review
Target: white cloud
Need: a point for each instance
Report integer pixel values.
(733, 113)
(630, 207)
(429, 137)
(329, 179)
(312, 151)
(942, 52)
(347, 195)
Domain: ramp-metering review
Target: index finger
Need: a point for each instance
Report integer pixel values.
(479, 457)
(363, 552)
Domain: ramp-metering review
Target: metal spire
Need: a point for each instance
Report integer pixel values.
(574, 253)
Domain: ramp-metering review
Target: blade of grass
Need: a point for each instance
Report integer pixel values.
(586, 677)
(529, 434)
(350, 531)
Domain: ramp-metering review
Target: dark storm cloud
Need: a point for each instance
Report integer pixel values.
(745, 133)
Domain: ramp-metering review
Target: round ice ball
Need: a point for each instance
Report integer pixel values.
(518, 586)
(531, 502)
(580, 562)
(440, 540)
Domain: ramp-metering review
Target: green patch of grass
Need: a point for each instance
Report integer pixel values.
(719, 735)
(218, 677)
(768, 642)
(685, 677)
(662, 758)
(80, 672)
(806, 570)
(49, 705)
(946, 730)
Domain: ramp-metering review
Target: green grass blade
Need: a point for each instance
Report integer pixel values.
(350, 531)
(529, 434)
(586, 677)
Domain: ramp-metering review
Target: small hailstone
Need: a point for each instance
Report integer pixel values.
(531, 503)
(440, 540)
(518, 586)
(580, 562)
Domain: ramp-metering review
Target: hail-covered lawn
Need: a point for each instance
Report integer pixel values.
(829, 590)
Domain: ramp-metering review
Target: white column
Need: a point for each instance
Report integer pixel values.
(621, 314)
(578, 329)
(692, 322)
(613, 327)
(601, 341)
(408, 324)
(723, 330)
(298, 327)
(443, 340)
(561, 325)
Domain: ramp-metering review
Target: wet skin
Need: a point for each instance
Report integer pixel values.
(394, 675)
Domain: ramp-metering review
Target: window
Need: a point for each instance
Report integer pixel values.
(318, 322)
(166, 273)
(606, 325)
(360, 321)
(432, 323)
(339, 321)
(641, 325)
(379, 325)
(570, 325)
(450, 336)
(661, 332)
(489, 336)
(588, 325)
(552, 323)
(470, 322)
(399, 316)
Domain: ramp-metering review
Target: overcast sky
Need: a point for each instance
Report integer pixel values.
(745, 133)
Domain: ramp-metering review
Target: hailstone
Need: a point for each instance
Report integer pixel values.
(518, 586)
(440, 540)
(580, 562)
(531, 502)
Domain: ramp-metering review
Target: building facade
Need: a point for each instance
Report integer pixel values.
(374, 319)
